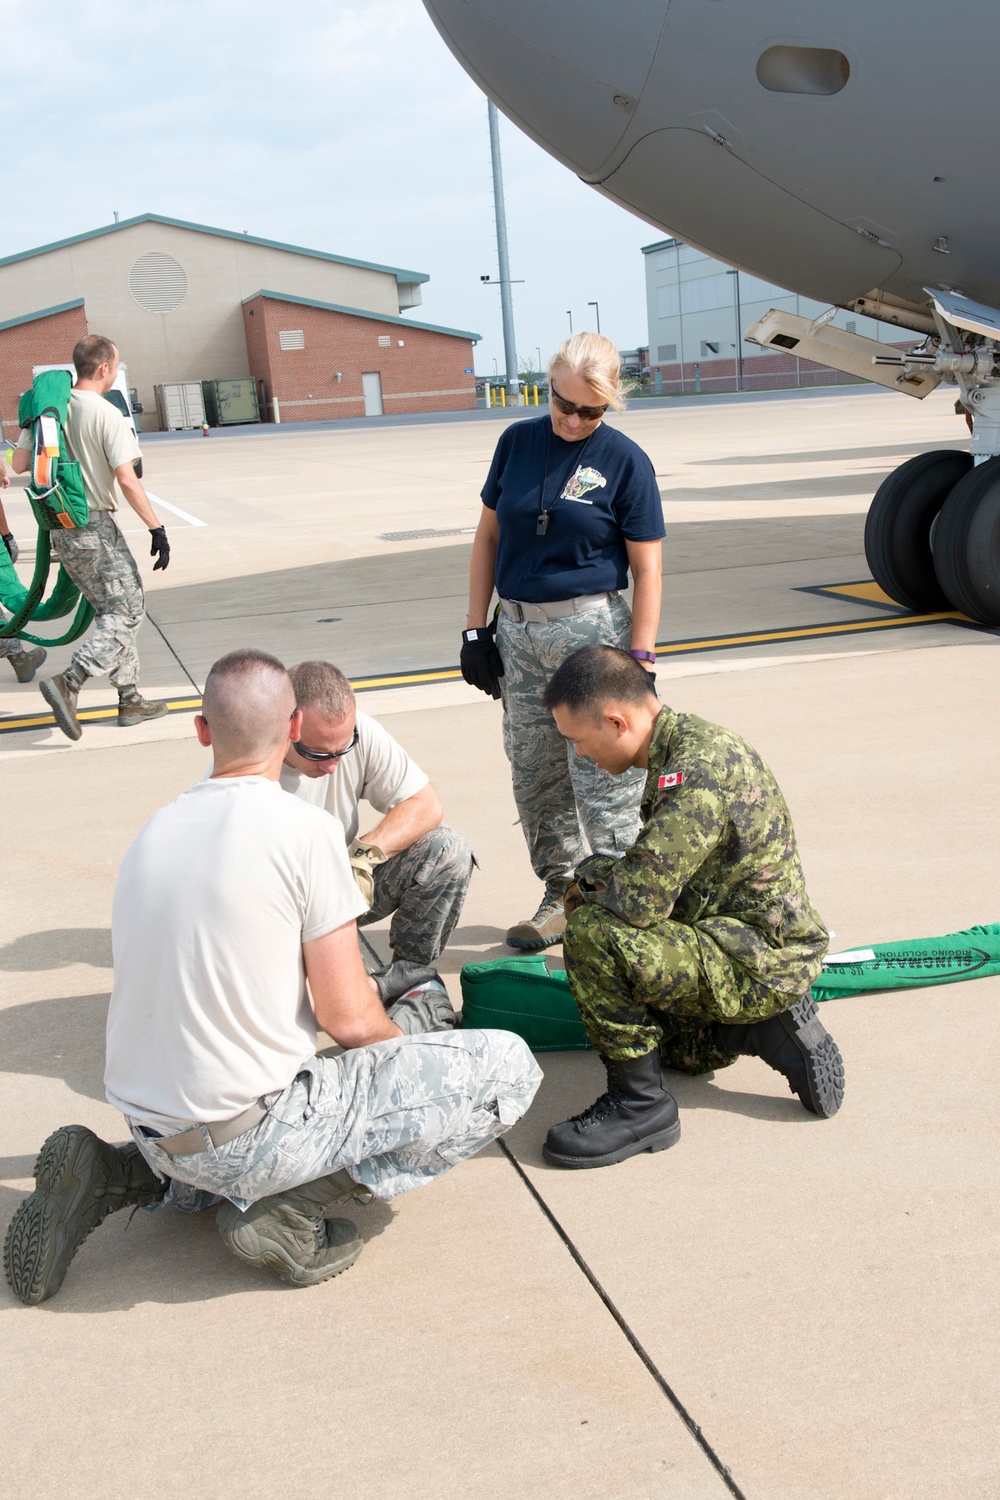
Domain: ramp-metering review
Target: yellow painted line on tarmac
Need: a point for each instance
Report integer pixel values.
(453, 674)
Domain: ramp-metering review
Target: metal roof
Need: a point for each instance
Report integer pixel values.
(361, 312)
(45, 312)
(402, 277)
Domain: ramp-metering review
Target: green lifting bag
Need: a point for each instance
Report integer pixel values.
(525, 996)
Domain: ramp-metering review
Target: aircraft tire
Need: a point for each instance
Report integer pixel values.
(967, 544)
(898, 528)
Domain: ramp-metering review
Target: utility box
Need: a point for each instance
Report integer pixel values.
(230, 401)
(180, 405)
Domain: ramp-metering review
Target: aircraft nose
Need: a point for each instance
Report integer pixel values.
(573, 89)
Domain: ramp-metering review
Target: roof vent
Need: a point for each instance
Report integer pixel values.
(803, 70)
(157, 282)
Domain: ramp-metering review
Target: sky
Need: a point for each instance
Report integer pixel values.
(339, 126)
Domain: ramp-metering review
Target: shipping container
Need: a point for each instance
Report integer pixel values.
(180, 405)
(228, 401)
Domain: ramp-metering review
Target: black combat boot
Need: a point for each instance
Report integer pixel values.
(60, 693)
(638, 1113)
(79, 1180)
(797, 1044)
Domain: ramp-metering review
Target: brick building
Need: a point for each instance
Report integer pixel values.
(175, 297)
(34, 338)
(318, 360)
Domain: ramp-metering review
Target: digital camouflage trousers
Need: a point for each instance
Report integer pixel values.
(643, 987)
(394, 1115)
(568, 806)
(424, 888)
(98, 560)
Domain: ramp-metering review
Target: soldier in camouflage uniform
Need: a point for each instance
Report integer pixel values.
(571, 512)
(700, 943)
(409, 865)
(96, 556)
(213, 1061)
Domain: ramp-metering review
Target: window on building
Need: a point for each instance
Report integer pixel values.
(668, 301)
(291, 338)
(707, 347)
(384, 341)
(666, 354)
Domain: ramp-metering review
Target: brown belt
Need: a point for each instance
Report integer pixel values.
(220, 1132)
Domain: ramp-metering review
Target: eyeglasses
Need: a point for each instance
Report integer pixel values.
(569, 409)
(321, 755)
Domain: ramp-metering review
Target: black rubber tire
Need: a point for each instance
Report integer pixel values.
(967, 544)
(898, 528)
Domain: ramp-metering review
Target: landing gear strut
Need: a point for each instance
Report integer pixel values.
(932, 538)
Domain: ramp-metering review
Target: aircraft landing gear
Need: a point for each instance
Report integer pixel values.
(967, 544)
(898, 528)
(932, 538)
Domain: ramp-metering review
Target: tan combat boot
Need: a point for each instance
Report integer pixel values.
(133, 708)
(543, 929)
(290, 1233)
(26, 663)
(60, 693)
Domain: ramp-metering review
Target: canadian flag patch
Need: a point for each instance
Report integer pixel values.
(676, 778)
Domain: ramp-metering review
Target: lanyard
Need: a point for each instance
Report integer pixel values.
(542, 520)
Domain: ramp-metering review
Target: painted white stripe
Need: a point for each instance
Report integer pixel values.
(175, 510)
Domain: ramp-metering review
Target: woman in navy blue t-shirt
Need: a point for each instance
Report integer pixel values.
(571, 508)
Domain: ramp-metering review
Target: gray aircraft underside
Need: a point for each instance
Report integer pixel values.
(843, 149)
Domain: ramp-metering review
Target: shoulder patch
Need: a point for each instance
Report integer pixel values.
(675, 778)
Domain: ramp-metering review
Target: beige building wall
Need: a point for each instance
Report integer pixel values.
(203, 338)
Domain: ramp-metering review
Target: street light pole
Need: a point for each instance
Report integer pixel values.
(506, 304)
(739, 329)
(570, 316)
(598, 311)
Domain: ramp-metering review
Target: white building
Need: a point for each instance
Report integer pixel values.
(698, 309)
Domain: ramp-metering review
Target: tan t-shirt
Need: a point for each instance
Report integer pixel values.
(378, 771)
(214, 900)
(100, 440)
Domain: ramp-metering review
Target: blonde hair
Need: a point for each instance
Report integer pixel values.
(596, 360)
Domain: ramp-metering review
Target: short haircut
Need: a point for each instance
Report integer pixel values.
(322, 687)
(592, 678)
(596, 360)
(248, 702)
(90, 353)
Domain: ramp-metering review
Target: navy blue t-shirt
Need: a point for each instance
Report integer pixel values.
(598, 492)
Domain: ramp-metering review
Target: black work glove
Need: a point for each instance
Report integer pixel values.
(160, 548)
(11, 545)
(482, 666)
(402, 975)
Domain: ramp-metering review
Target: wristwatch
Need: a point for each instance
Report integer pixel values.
(643, 655)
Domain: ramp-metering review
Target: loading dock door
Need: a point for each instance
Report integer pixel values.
(371, 384)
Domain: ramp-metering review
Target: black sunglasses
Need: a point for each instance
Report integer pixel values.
(300, 749)
(569, 409)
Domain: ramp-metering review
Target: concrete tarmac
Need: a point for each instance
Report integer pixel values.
(780, 1307)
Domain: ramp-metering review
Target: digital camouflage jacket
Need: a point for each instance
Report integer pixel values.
(717, 852)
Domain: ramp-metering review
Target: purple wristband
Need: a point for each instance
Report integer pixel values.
(643, 655)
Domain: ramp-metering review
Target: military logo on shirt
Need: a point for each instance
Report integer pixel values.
(582, 481)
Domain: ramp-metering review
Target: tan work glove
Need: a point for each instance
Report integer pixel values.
(364, 858)
(572, 898)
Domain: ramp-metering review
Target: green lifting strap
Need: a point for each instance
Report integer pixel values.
(971, 954)
(24, 602)
(57, 497)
